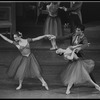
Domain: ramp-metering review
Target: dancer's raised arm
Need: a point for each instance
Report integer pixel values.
(6, 39)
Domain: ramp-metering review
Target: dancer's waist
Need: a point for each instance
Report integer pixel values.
(52, 15)
(26, 53)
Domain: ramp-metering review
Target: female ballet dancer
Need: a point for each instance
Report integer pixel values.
(52, 24)
(25, 65)
(69, 53)
(78, 70)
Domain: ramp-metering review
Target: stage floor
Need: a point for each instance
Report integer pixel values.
(55, 92)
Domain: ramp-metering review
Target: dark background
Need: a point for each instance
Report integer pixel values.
(90, 12)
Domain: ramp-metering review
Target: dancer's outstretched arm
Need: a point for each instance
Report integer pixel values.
(6, 39)
(76, 46)
(39, 37)
(72, 55)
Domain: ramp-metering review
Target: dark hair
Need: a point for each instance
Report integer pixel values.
(82, 27)
(61, 54)
(18, 34)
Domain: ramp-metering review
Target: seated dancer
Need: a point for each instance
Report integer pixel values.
(24, 65)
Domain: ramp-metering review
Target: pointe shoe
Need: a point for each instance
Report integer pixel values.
(67, 92)
(98, 88)
(53, 48)
(45, 85)
(19, 87)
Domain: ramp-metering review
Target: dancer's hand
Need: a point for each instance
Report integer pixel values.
(50, 36)
(78, 49)
(47, 35)
(71, 47)
(88, 44)
(65, 9)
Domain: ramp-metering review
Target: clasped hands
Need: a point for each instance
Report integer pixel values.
(78, 49)
(50, 36)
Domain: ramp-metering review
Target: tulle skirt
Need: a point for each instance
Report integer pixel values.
(24, 67)
(77, 72)
(53, 26)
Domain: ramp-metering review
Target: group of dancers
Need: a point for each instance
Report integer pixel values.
(79, 69)
(53, 24)
(25, 65)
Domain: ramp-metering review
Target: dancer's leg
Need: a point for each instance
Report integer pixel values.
(96, 85)
(89, 79)
(20, 85)
(91, 75)
(53, 43)
(68, 88)
(43, 82)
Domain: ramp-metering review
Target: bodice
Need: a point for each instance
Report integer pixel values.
(24, 49)
(52, 9)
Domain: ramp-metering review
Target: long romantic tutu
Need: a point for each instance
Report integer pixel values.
(24, 67)
(77, 72)
(53, 26)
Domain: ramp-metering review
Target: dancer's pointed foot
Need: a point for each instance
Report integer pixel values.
(97, 87)
(19, 87)
(68, 92)
(53, 48)
(45, 85)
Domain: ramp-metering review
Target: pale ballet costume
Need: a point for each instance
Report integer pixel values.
(25, 65)
(77, 71)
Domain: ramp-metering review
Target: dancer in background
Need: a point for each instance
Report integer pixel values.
(25, 65)
(53, 23)
(75, 16)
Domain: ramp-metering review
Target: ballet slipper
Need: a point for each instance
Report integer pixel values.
(19, 87)
(98, 88)
(68, 92)
(53, 48)
(45, 85)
